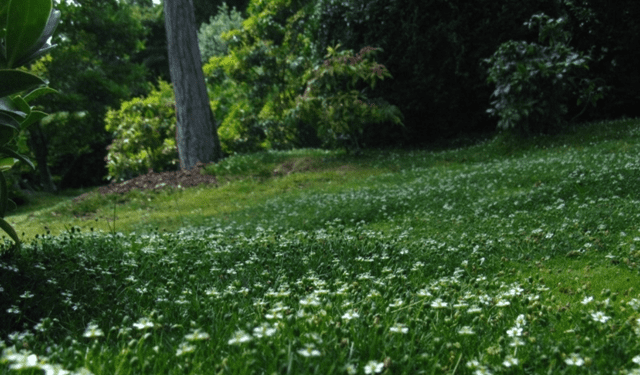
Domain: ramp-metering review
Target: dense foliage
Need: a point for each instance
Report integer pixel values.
(258, 80)
(209, 36)
(111, 51)
(143, 132)
(534, 82)
(91, 66)
(337, 113)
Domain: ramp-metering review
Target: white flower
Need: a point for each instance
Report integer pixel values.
(351, 369)
(466, 330)
(503, 303)
(600, 317)
(586, 300)
(423, 293)
(515, 331)
(438, 304)
(636, 360)
(143, 323)
(400, 328)
(474, 309)
(184, 348)
(56, 370)
(350, 315)
(239, 337)
(264, 330)
(197, 335)
(520, 320)
(510, 361)
(27, 295)
(22, 361)
(574, 360)
(373, 367)
(396, 303)
(93, 331)
(309, 351)
(311, 300)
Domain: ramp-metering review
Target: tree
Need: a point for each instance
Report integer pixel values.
(196, 133)
(93, 70)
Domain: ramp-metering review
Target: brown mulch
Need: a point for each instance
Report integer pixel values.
(157, 181)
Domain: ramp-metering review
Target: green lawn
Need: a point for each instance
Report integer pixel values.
(504, 257)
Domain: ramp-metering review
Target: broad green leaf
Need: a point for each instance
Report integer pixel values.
(41, 47)
(6, 134)
(16, 81)
(26, 20)
(10, 120)
(7, 163)
(10, 231)
(9, 107)
(39, 92)
(7, 151)
(22, 105)
(33, 117)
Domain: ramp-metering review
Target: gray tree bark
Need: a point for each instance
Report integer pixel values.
(196, 133)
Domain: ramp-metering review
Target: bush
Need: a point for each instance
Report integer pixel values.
(209, 36)
(143, 135)
(534, 82)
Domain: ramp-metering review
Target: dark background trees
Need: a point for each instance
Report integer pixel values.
(113, 50)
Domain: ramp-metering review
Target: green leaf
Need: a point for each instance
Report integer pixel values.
(33, 117)
(7, 163)
(16, 81)
(7, 151)
(7, 130)
(38, 93)
(22, 105)
(41, 47)
(9, 107)
(10, 231)
(26, 20)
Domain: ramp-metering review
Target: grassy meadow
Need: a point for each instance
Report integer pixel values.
(501, 257)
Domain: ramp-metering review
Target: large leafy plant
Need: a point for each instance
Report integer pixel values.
(339, 113)
(209, 36)
(143, 132)
(25, 28)
(534, 81)
(257, 81)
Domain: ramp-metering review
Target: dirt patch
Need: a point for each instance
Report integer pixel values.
(295, 166)
(157, 181)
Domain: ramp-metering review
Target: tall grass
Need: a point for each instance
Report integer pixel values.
(487, 259)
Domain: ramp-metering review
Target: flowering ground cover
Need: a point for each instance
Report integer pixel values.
(490, 259)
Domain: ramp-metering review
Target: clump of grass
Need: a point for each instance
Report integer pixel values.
(460, 261)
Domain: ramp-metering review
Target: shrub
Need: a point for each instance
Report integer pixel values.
(533, 82)
(333, 105)
(257, 81)
(143, 135)
(209, 36)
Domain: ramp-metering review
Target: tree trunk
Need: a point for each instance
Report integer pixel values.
(196, 134)
(39, 147)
